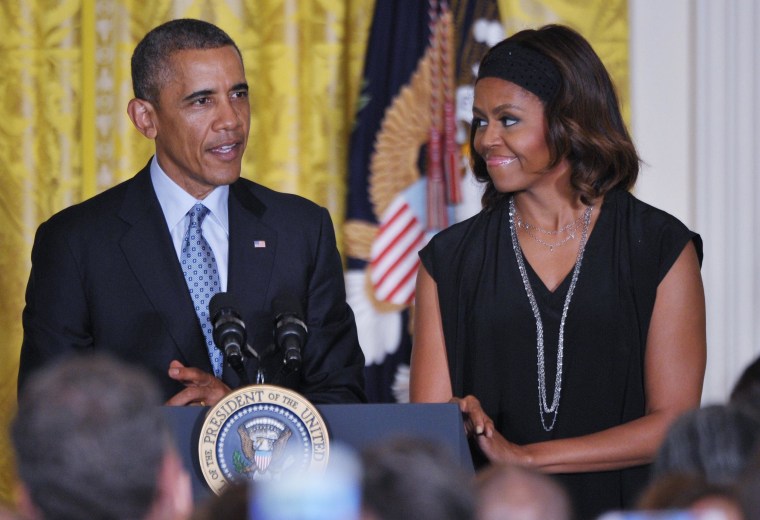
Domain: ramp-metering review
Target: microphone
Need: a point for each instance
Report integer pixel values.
(289, 330)
(228, 329)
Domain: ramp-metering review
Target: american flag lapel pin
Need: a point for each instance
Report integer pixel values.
(259, 243)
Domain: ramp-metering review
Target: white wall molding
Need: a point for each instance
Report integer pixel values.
(727, 109)
(695, 74)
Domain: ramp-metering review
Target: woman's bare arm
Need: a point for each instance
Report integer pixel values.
(429, 371)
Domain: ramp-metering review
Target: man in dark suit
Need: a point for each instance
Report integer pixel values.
(109, 273)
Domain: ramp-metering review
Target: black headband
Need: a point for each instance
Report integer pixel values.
(524, 67)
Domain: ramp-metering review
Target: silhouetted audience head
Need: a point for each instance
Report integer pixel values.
(91, 442)
(690, 492)
(713, 442)
(7, 514)
(414, 479)
(330, 493)
(515, 493)
(231, 504)
(746, 390)
(748, 487)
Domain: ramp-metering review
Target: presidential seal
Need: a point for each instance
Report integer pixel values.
(261, 432)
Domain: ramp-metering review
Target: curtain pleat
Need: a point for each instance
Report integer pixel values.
(604, 23)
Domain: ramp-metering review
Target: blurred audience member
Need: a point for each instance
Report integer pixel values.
(747, 388)
(749, 487)
(506, 492)
(91, 442)
(414, 479)
(713, 442)
(330, 494)
(691, 493)
(7, 514)
(231, 504)
(718, 506)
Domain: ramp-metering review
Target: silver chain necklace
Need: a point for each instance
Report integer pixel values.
(543, 407)
(551, 245)
(530, 229)
(572, 226)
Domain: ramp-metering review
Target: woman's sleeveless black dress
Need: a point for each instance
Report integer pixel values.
(490, 330)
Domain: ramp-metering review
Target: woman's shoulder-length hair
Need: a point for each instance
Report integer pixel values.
(584, 121)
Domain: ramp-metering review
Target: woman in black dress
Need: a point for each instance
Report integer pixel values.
(567, 318)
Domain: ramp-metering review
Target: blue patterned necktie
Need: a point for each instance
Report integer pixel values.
(202, 277)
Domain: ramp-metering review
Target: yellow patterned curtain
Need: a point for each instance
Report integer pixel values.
(604, 23)
(65, 135)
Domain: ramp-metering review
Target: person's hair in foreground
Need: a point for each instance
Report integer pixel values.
(747, 387)
(414, 478)
(508, 492)
(231, 504)
(714, 442)
(583, 117)
(748, 486)
(151, 63)
(91, 442)
(689, 492)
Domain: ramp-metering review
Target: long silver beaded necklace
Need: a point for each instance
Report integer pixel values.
(543, 407)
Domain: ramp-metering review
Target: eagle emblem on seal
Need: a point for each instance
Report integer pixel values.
(263, 442)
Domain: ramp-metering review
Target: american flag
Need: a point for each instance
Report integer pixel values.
(394, 261)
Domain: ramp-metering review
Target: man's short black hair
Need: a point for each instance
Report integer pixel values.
(150, 60)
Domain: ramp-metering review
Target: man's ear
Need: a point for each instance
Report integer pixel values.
(143, 116)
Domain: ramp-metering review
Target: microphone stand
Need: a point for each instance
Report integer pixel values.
(236, 362)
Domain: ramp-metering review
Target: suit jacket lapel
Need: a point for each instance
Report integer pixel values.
(252, 249)
(149, 251)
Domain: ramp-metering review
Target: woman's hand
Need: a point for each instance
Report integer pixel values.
(493, 444)
(476, 422)
(499, 450)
